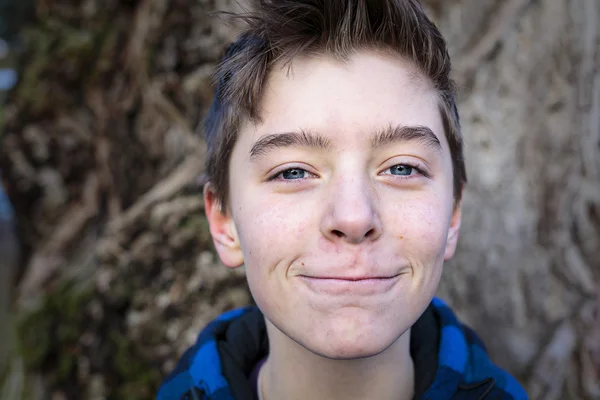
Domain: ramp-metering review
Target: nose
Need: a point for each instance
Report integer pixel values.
(351, 214)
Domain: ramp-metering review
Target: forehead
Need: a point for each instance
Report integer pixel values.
(366, 92)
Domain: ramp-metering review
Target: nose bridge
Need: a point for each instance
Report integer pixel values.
(352, 208)
(353, 195)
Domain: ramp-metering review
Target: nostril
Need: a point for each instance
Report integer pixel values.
(370, 233)
(338, 233)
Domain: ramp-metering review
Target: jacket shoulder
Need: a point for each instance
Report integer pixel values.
(464, 355)
(198, 371)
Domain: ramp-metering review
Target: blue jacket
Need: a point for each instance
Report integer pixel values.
(450, 360)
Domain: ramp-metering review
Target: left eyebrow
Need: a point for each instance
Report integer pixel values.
(394, 134)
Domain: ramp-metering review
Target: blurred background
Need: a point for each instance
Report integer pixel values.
(107, 272)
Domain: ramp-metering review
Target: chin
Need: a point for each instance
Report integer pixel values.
(352, 352)
(343, 344)
(342, 350)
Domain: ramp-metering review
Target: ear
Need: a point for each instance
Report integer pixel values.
(222, 230)
(453, 231)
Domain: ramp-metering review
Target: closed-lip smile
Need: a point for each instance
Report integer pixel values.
(349, 278)
(349, 285)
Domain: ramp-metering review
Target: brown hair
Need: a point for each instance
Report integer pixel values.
(279, 30)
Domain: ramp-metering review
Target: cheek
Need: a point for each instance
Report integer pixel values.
(270, 232)
(421, 227)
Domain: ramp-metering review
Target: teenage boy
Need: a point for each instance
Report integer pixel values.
(335, 170)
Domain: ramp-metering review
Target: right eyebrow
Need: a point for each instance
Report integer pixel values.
(274, 141)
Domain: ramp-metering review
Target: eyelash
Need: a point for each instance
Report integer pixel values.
(405, 164)
(409, 165)
(278, 174)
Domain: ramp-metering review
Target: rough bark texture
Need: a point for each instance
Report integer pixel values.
(101, 163)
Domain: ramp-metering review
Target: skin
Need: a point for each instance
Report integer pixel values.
(343, 241)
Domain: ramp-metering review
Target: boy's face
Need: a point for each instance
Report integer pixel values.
(341, 203)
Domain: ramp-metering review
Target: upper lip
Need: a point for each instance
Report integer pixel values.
(351, 278)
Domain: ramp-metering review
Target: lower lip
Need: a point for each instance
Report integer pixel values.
(363, 287)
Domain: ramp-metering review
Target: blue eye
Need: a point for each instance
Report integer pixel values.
(400, 169)
(293, 173)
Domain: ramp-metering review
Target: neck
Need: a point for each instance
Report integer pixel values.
(293, 372)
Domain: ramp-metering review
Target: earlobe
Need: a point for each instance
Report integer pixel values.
(222, 230)
(453, 232)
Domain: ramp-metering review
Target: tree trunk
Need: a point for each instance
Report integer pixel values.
(101, 163)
